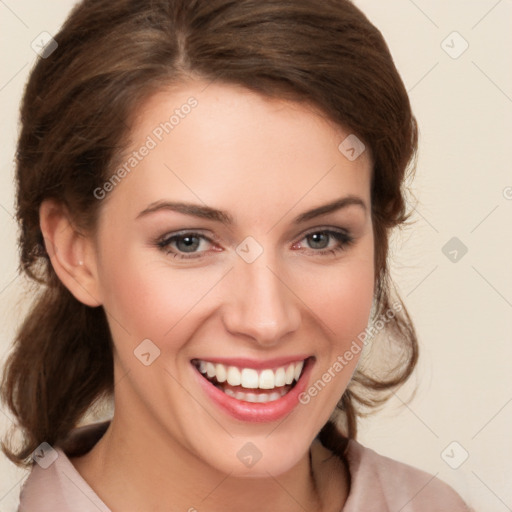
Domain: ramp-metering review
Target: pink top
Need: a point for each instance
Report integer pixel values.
(378, 484)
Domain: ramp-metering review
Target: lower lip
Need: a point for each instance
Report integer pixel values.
(257, 412)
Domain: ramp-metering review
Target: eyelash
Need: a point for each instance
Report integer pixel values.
(344, 241)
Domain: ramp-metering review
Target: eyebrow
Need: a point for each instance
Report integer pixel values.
(206, 212)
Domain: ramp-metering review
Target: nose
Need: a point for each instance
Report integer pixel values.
(261, 304)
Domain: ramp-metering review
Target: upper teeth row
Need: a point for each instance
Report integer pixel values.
(251, 378)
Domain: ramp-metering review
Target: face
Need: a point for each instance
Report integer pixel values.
(235, 260)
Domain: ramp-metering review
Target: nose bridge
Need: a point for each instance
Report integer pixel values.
(261, 305)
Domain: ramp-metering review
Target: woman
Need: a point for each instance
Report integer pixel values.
(206, 190)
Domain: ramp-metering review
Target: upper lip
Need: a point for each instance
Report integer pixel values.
(257, 364)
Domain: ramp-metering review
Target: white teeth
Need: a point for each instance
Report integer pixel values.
(221, 373)
(298, 370)
(251, 378)
(280, 378)
(233, 376)
(254, 398)
(210, 370)
(290, 373)
(277, 394)
(267, 380)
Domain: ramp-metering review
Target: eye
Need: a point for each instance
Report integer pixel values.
(187, 245)
(319, 241)
(184, 245)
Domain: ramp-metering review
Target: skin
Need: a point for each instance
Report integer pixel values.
(263, 161)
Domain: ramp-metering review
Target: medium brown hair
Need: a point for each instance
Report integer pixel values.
(76, 115)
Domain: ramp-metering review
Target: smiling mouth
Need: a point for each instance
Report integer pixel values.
(249, 384)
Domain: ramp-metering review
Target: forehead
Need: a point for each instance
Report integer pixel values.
(223, 144)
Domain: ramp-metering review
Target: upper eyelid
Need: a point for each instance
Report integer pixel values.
(195, 231)
(325, 228)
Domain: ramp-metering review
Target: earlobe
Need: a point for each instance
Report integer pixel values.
(70, 253)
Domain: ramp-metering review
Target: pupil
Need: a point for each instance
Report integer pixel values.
(316, 238)
(188, 243)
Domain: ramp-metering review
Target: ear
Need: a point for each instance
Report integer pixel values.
(71, 253)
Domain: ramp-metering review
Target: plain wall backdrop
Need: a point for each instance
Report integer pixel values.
(453, 266)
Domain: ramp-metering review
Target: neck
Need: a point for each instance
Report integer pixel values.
(131, 470)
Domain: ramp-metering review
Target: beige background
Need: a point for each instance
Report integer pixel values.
(462, 309)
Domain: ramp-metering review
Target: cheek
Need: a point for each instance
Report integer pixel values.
(343, 306)
(342, 296)
(145, 298)
(345, 301)
(342, 302)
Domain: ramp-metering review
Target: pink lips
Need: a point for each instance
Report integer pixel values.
(257, 412)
